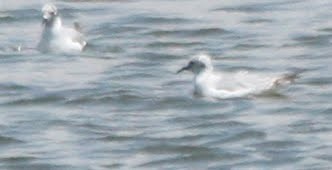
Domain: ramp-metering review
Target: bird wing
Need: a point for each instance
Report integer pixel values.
(227, 81)
(223, 85)
(240, 84)
(76, 35)
(256, 81)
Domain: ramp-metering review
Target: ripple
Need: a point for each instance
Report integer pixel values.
(6, 19)
(117, 138)
(113, 166)
(95, 1)
(307, 126)
(325, 157)
(258, 7)
(47, 99)
(245, 47)
(173, 44)
(258, 21)
(12, 86)
(202, 32)
(208, 155)
(224, 124)
(313, 40)
(165, 148)
(117, 96)
(157, 20)
(319, 81)
(278, 145)
(242, 137)
(327, 30)
(18, 159)
(39, 166)
(327, 111)
(108, 28)
(102, 48)
(8, 140)
(156, 56)
(24, 15)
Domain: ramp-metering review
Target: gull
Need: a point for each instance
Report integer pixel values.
(57, 38)
(208, 83)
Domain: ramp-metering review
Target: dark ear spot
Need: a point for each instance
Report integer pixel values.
(202, 65)
(191, 63)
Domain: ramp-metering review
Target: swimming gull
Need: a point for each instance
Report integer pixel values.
(57, 38)
(209, 83)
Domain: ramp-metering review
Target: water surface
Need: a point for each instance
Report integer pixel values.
(119, 105)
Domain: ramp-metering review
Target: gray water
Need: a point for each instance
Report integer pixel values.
(119, 105)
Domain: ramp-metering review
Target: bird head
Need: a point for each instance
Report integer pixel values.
(49, 13)
(198, 64)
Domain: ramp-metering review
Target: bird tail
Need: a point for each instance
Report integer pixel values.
(287, 78)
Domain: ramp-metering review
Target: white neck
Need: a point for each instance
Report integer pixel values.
(54, 24)
(57, 22)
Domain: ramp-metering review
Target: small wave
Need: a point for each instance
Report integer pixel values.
(247, 135)
(202, 32)
(226, 124)
(257, 7)
(110, 1)
(108, 28)
(25, 15)
(308, 127)
(165, 148)
(258, 21)
(6, 19)
(160, 20)
(118, 96)
(18, 159)
(113, 166)
(313, 40)
(157, 20)
(102, 48)
(202, 155)
(117, 138)
(326, 30)
(4, 140)
(244, 9)
(244, 47)
(173, 44)
(156, 56)
(325, 157)
(277, 144)
(34, 165)
(11, 86)
(47, 99)
(319, 81)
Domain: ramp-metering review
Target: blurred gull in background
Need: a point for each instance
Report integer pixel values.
(55, 37)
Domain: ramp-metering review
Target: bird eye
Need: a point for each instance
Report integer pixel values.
(191, 63)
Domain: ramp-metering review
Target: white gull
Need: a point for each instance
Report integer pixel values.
(208, 83)
(57, 38)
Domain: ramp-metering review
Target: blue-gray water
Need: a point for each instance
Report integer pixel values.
(119, 105)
